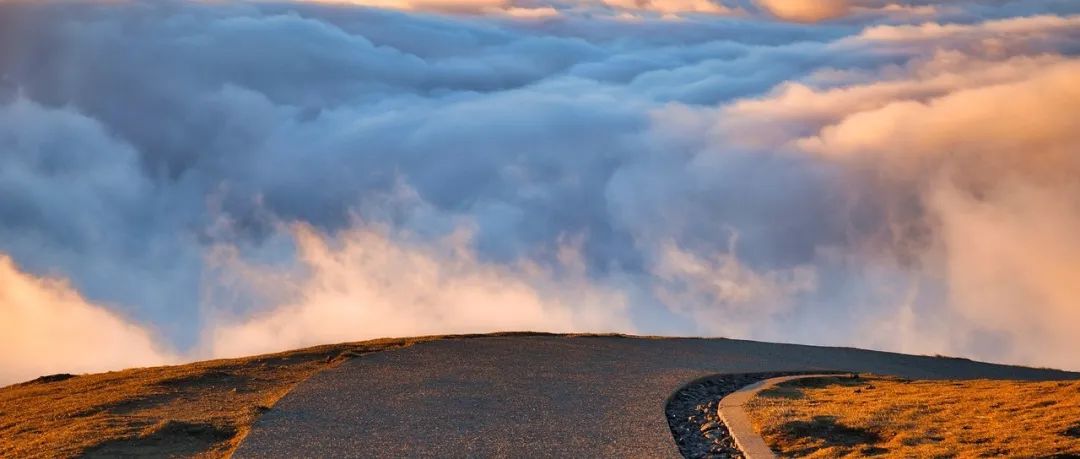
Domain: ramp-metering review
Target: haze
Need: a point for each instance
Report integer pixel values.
(182, 180)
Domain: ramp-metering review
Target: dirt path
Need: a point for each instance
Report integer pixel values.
(540, 396)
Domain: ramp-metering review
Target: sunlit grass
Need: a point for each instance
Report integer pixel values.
(203, 409)
(837, 417)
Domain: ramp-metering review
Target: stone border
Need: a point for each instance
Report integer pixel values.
(731, 412)
(694, 418)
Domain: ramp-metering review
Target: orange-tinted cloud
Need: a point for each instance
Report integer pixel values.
(509, 8)
(865, 174)
(362, 283)
(1013, 265)
(995, 168)
(970, 157)
(806, 10)
(47, 327)
(1032, 26)
(672, 7)
(785, 10)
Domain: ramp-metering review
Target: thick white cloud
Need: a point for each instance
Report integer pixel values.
(970, 161)
(725, 295)
(1009, 127)
(1018, 29)
(994, 168)
(491, 7)
(46, 327)
(807, 10)
(1013, 266)
(869, 165)
(526, 10)
(362, 284)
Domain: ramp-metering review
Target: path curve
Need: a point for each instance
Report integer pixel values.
(539, 396)
(732, 412)
(693, 413)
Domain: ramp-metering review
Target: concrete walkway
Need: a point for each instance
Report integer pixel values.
(734, 415)
(539, 396)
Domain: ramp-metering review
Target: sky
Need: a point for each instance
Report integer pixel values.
(182, 180)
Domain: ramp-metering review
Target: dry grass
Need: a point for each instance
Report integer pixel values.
(838, 417)
(203, 409)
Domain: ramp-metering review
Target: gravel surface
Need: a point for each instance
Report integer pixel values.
(541, 396)
(692, 414)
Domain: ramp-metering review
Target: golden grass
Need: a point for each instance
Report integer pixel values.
(202, 409)
(838, 417)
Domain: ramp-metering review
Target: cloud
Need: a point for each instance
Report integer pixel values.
(531, 13)
(1011, 254)
(149, 154)
(1041, 26)
(361, 284)
(47, 327)
(806, 10)
(993, 183)
(967, 159)
(671, 7)
(724, 293)
(803, 11)
(76, 201)
(969, 122)
(490, 7)
(526, 10)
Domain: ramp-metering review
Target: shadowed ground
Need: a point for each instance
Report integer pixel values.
(540, 396)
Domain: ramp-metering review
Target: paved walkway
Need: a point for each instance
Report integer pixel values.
(539, 396)
(732, 412)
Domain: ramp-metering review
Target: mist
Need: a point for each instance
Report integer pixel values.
(186, 180)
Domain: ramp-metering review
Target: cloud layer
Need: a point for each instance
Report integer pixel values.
(223, 178)
(361, 284)
(48, 328)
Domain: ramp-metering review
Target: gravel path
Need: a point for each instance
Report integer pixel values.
(540, 396)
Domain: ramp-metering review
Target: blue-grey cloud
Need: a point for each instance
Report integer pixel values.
(709, 167)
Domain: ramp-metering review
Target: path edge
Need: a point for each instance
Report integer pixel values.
(732, 413)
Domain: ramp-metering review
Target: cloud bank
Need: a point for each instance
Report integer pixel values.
(806, 10)
(361, 284)
(212, 179)
(49, 328)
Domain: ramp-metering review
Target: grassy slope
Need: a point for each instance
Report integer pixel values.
(205, 409)
(202, 409)
(900, 418)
